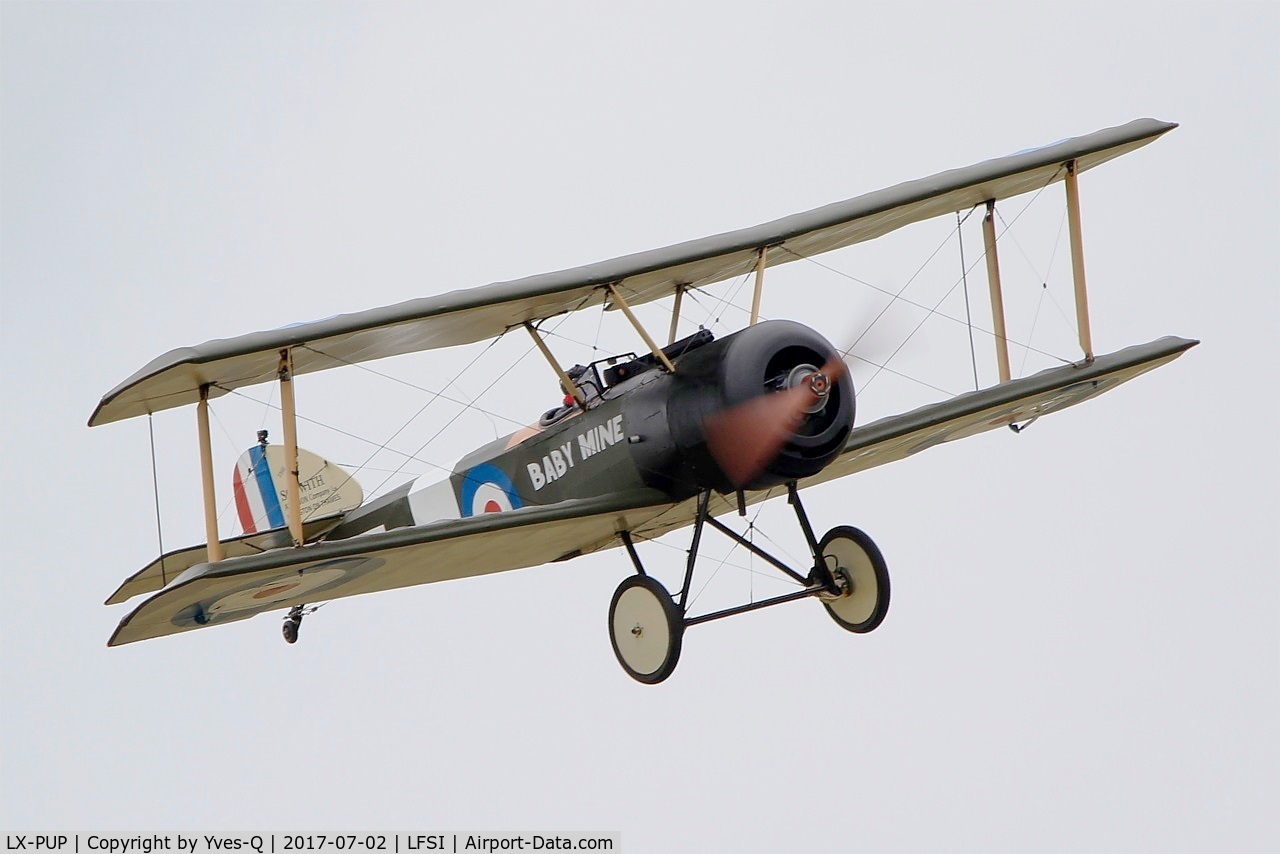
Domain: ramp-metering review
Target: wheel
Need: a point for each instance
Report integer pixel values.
(646, 629)
(290, 630)
(852, 557)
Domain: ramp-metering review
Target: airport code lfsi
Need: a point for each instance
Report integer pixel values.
(283, 843)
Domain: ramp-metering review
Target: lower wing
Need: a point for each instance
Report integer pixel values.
(241, 587)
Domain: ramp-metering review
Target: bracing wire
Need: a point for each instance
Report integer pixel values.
(930, 310)
(1044, 281)
(231, 442)
(748, 569)
(422, 409)
(721, 301)
(1044, 289)
(968, 315)
(270, 396)
(595, 345)
(340, 432)
(725, 560)
(483, 391)
(155, 489)
(435, 393)
(383, 446)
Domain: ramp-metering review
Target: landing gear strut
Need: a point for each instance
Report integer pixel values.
(292, 623)
(647, 624)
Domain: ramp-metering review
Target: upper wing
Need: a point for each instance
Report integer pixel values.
(462, 317)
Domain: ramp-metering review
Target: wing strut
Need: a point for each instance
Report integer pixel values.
(648, 339)
(997, 297)
(569, 386)
(206, 477)
(288, 413)
(1077, 261)
(675, 313)
(755, 297)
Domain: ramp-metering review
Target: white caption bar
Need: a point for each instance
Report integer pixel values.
(308, 843)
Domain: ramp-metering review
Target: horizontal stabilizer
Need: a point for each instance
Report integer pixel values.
(155, 575)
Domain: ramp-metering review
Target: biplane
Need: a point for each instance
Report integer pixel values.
(678, 436)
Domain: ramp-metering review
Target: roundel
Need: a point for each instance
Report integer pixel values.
(270, 593)
(487, 489)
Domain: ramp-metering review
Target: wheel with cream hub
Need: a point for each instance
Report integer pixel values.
(862, 576)
(646, 629)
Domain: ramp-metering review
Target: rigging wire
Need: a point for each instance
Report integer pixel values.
(895, 296)
(1057, 241)
(492, 423)
(968, 316)
(270, 396)
(424, 389)
(724, 560)
(953, 287)
(384, 446)
(1044, 281)
(780, 547)
(155, 489)
(551, 333)
(413, 417)
(885, 367)
(719, 565)
(595, 345)
(934, 310)
(684, 551)
(226, 505)
(722, 301)
(1067, 322)
(339, 431)
(1044, 289)
(486, 389)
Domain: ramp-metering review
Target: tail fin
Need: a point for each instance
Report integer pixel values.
(262, 500)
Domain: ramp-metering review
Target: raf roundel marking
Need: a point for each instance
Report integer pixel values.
(487, 489)
(265, 595)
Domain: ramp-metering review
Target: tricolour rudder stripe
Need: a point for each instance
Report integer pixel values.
(266, 487)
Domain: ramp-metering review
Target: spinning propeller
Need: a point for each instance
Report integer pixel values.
(744, 439)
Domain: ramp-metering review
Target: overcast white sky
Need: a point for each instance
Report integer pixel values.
(1082, 652)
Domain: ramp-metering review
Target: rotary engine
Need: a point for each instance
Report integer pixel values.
(722, 384)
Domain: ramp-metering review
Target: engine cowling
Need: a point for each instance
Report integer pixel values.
(771, 356)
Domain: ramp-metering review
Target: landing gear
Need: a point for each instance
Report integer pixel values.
(646, 629)
(647, 624)
(860, 576)
(292, 623)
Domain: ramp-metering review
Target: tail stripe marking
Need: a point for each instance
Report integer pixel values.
(247, 522)
(267, 487)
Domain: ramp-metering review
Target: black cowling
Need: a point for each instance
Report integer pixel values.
(755, 361)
